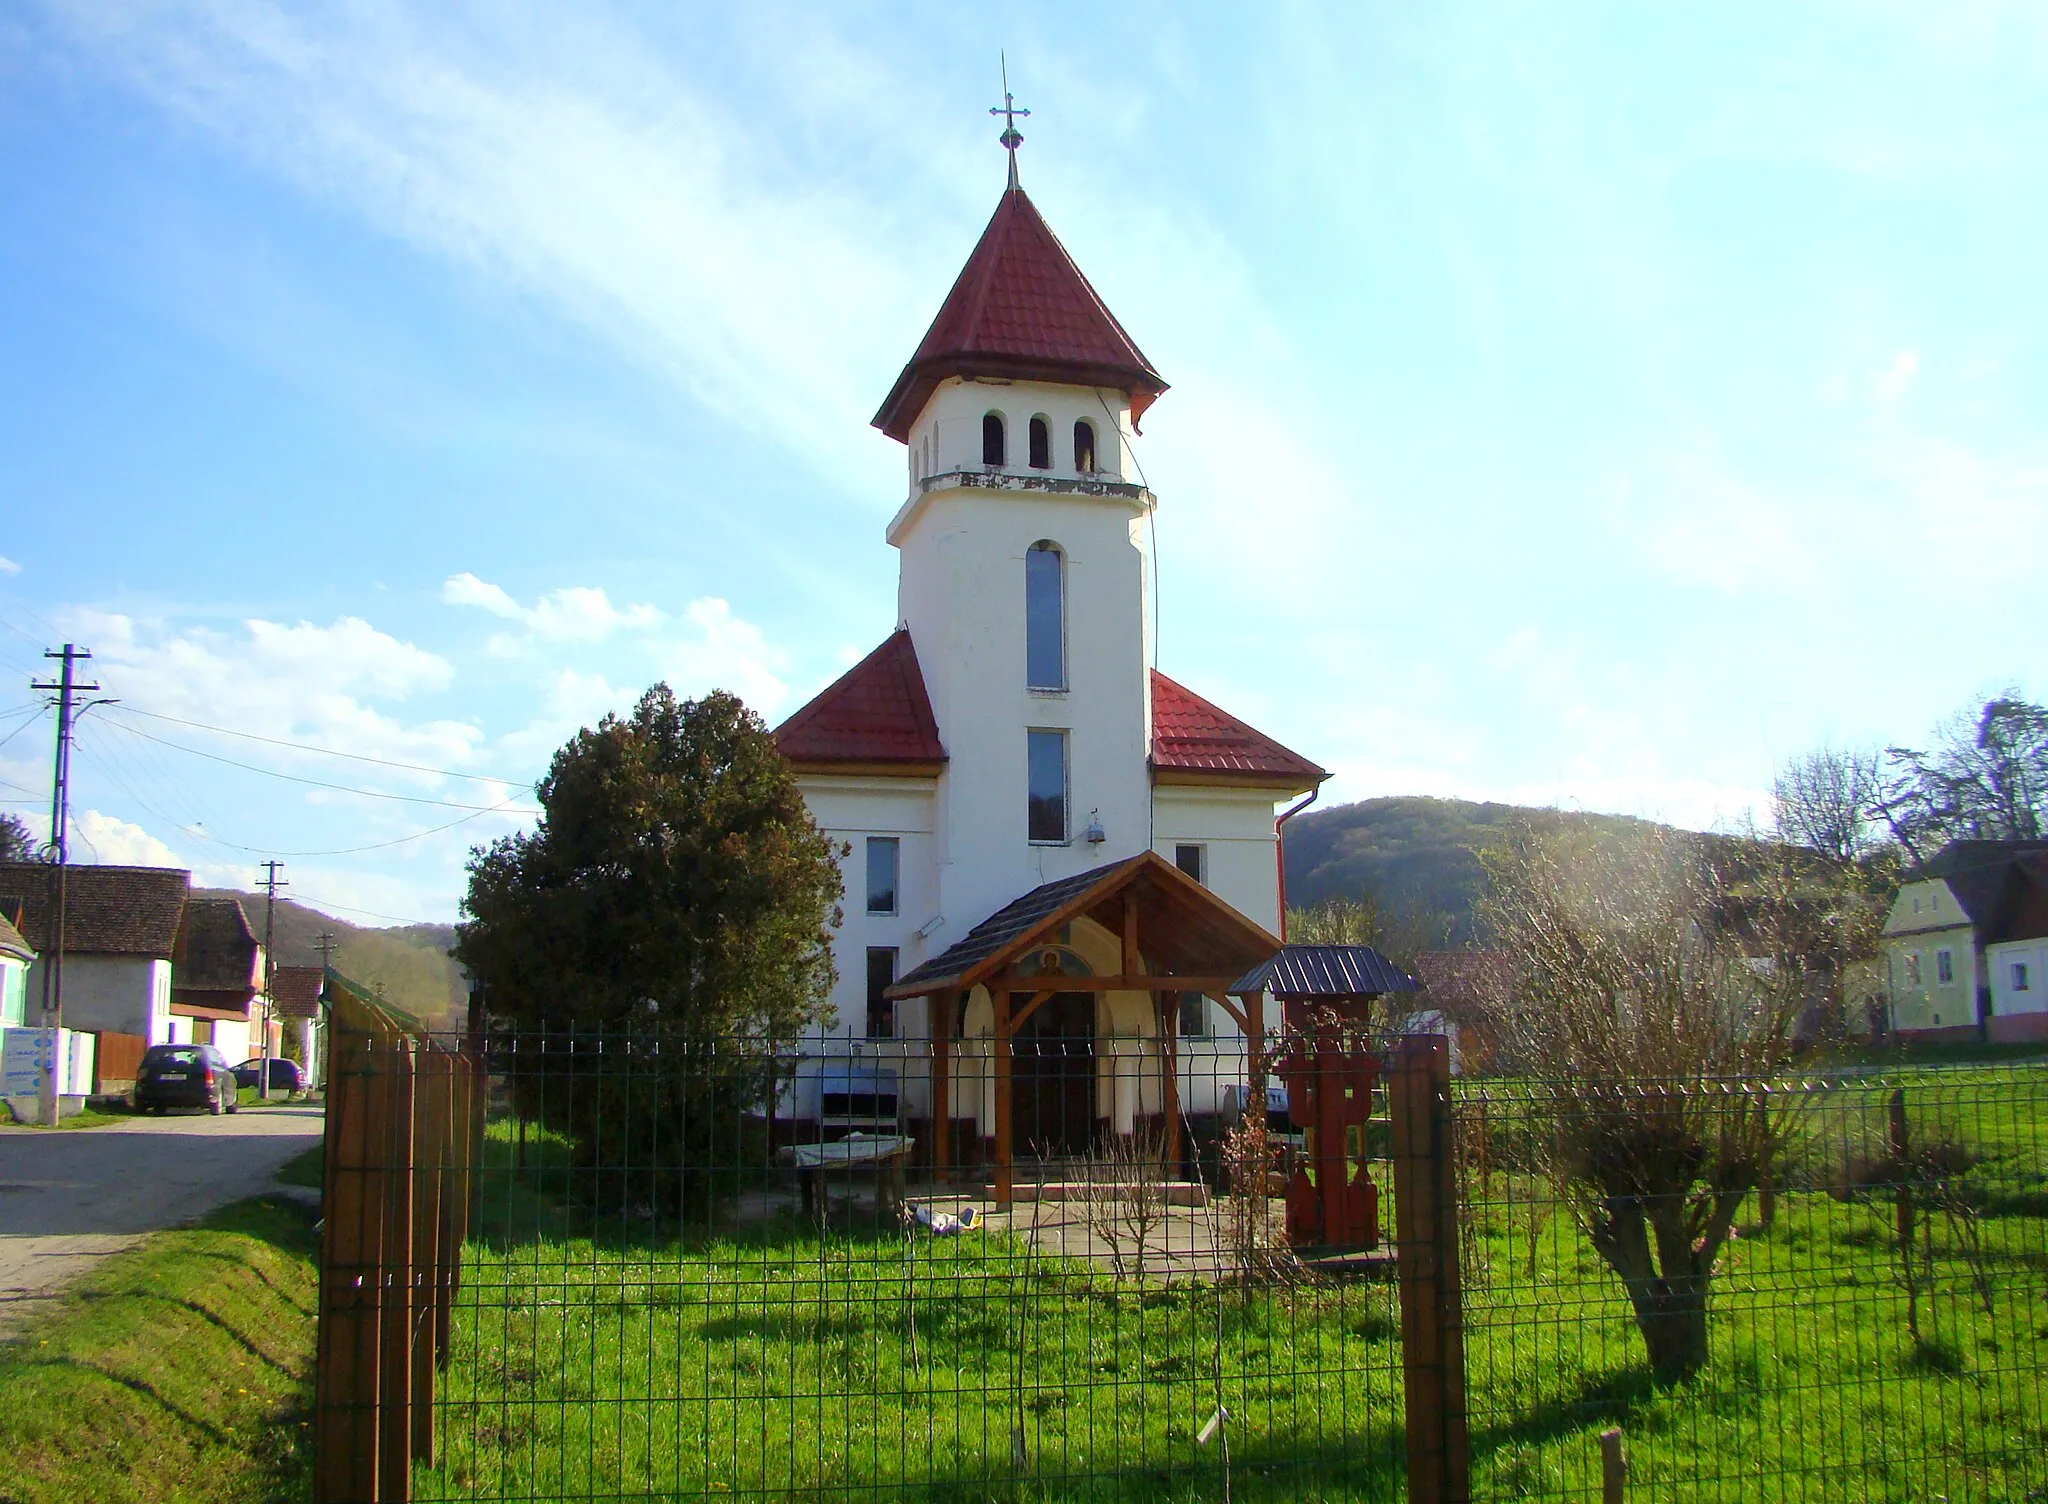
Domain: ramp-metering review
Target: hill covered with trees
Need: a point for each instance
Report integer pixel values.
(1411, 855)
(410, 962)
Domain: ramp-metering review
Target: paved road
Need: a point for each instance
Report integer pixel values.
(68, 1199)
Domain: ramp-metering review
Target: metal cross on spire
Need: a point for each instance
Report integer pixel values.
(1009, 109)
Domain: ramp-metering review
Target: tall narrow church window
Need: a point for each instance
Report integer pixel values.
(881, 977)
(1047, 811)
(1084, 446)
(1045, 627)
(885, 854)
(992, 450)
(1041, 444)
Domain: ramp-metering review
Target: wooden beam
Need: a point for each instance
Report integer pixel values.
(1005, 1164)
(1038, 1000)
(1222, 1000)
(1132, 965)
(939, 1025)
(1255, 1047)
(1169, 1037)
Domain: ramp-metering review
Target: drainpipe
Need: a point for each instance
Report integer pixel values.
(1280, 853)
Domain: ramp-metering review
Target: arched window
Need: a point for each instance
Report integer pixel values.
(1045, 626)
(992, 452)
(1041, 444)
(1084, 446)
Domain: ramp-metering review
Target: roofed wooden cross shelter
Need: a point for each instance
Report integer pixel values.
(1169, 935)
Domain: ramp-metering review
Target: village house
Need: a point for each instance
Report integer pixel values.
(1061, 858)
(295, 1001)
(121, 928)
(217, 979)
(16, 956)
(1965, 943)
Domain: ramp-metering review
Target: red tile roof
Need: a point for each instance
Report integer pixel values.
(295, 991)
(108, 911)
(1195, 742)
(875, 717)
(1020, 309)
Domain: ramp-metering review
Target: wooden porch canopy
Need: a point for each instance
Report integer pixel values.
(1176, 935)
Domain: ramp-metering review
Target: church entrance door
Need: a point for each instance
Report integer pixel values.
(1052, 1078)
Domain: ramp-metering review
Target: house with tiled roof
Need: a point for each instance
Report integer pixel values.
(120, 934)
(295, 998)
(1021, 790)
(217, 978)
(1966, 945)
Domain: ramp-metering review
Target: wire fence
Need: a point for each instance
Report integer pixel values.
(1873, 1325)
(695, 1268)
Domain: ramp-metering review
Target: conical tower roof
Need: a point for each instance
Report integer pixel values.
(1021, 310)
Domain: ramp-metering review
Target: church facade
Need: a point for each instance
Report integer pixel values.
(1007, 768)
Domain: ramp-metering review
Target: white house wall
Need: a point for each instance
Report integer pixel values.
(112, 994)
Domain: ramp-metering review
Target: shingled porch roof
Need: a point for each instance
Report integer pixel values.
(1184, 930)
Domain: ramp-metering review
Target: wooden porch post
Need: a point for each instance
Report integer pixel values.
(1255, 1047)
(999, 993)
(1169, 1048)
(939, 1024)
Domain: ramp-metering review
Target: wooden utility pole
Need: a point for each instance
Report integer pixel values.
(271, 883)
(67, 689)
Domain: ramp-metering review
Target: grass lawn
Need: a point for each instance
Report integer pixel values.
(597, 1359)
(303, 1168)
(179, 1370)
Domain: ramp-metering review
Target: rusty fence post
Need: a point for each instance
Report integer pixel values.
(395, 1328)
(1426, 1258)
(430, 1147)
(347, 1392)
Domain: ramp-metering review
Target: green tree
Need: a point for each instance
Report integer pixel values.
(649, 948)
(16, 843)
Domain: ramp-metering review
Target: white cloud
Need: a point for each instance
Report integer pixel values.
(726, 653)
(1891, 384)
(295, 682)
(116, 843)
(577, 613)
(8, 566)
(564, 159)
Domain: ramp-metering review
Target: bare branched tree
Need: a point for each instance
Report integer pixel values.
(1827, 800)
(1650, 1029)
(1127, 1198)
(1986, 779)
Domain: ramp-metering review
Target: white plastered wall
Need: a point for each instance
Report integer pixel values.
(111, 994)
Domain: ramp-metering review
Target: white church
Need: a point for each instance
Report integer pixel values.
(1060, 859)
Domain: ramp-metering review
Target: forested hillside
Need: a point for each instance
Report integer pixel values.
(410, 961)
(1409, 854)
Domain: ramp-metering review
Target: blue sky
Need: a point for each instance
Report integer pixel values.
(1587, 405)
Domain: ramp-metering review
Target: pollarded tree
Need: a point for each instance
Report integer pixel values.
(1827, 800)
(662, 933)
(1649, 1026)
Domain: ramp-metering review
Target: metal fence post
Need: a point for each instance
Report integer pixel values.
(1426, 1255)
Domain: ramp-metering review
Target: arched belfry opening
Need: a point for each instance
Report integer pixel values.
(1084, 447)
(993, 445)
(1041, 443)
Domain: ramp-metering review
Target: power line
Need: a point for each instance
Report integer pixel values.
(318, 783)
(382, 762)
(307, 900)
(198, 832)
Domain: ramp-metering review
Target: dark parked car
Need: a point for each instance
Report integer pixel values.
(184, 1075)
(285, 1075)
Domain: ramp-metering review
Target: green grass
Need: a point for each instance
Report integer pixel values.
(594, 1358)
(179, 1370)
(303, 1168)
